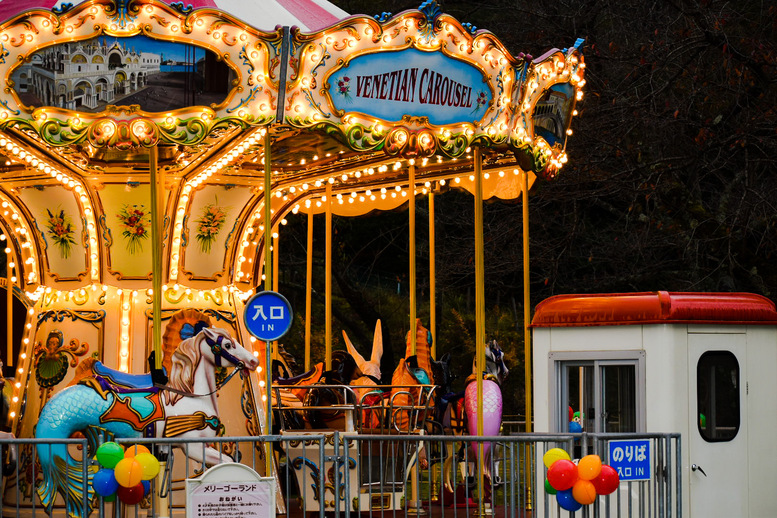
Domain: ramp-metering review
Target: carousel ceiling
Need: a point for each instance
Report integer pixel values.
(348, 106)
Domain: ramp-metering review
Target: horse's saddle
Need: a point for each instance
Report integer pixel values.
(122, 380)
(135, 399)
(93, 373)
(299, 385)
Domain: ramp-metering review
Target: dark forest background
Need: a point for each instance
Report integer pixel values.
(671, 182)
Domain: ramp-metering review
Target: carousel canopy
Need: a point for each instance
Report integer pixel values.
(201, 118)
(343, 114)
(308, 15)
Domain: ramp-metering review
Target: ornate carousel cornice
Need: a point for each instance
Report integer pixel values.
(464, 87)
(253, 55)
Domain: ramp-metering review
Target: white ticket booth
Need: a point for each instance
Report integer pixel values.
(700, 364)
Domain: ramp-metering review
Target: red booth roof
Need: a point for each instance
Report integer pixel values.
(662, 307)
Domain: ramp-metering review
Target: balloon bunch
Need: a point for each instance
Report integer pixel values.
(576, 485)
(125, 474)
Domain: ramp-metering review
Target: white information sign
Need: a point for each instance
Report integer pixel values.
(230, 490)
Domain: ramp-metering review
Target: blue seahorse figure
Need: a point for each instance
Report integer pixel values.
(79, 408)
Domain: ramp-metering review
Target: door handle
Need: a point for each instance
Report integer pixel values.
(695, 467)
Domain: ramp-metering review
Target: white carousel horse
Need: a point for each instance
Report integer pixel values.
(128, 406)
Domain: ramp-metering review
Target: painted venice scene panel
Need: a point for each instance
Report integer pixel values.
(89, 75)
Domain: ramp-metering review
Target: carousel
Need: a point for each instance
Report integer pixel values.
(154, 152)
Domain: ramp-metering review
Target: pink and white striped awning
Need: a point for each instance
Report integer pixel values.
(308, 15)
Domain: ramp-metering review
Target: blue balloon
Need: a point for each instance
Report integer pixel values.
(567, 501)
(575, 427)
(104, 482)
(146, 487)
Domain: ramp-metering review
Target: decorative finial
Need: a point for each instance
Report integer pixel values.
(181, 8)
(63, 8)
(383, 17)
(431, 10)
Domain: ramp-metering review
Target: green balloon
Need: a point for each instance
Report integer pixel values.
(548, 488)
(109, 454)
(109, 498)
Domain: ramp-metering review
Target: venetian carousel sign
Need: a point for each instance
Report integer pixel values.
(152, 151)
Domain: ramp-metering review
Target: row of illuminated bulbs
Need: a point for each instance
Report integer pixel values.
(196, 181)
(30, 160)
(193, 183)
(354, 196)
(125, 297)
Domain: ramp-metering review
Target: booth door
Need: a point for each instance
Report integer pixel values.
(718, 432)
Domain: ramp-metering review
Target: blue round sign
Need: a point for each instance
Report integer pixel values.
(268, 315)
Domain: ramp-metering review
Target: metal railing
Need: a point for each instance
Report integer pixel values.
(383, 409)
(23, 472)
(347, 473)
(441, 476)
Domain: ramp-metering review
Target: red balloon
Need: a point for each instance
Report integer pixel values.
(607, 481)
(562, 475)
(131, 495)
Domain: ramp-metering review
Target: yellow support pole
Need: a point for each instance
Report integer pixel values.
(527, 351)
(432, 278)
(268, 261)
(156, 179)
(275, 283)
(309, 291)
(328, 279)
(268, 278)
(157, 220)
(275, 253)
(412, 287)
(480, 316)
(527, 363)
(9, 304)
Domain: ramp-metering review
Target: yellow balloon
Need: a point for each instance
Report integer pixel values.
(132, 451)
(149, 465)
(554, 454)
(589, 467)
(128, 472)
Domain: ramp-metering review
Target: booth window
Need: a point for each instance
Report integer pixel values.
(600, 393)
(717, 396)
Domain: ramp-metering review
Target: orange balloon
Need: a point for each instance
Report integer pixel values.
(589, 467)
(584, 492)
(133, 451)
(128, 472)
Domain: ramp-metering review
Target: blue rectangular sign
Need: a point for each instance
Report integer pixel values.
(389, 85)
(631, 458)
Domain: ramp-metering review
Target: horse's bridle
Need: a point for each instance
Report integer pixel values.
(219, 352)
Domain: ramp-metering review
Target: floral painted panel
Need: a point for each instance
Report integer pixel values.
(126, 229)
(213, 214)
(209, 225)
(59, 226)
(135, 221)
